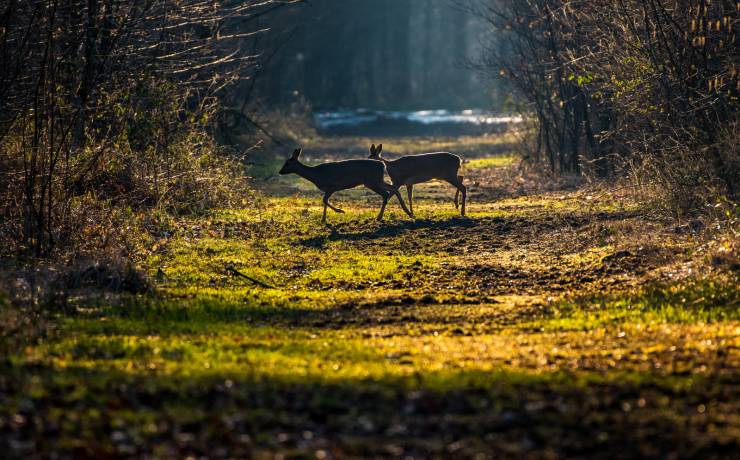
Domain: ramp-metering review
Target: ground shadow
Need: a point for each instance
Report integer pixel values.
(239, 415)
(470, 228)
(388, 230)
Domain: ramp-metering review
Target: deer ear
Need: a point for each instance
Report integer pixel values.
(380, 148)
(297, 153)
(372, 149)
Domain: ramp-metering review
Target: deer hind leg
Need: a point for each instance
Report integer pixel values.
(464, 190)
(457, 182)
(326, 203)
(410, 193)
(457, 192)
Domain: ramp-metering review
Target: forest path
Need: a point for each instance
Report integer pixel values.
(524, 234)
(552, 321)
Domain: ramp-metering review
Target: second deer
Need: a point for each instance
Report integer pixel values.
(415, 169)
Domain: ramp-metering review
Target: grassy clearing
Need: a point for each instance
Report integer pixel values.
(473, 146)
(553, 325)
(317, 150)
(499, 161)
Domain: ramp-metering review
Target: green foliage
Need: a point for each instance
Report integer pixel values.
(582, 80)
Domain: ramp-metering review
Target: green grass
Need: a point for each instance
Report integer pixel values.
(492, 162)
(703, 301)
(533, 328)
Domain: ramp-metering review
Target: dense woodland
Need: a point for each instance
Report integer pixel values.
(383, 54)
(168, 288)
(644, 87)
(107, 105)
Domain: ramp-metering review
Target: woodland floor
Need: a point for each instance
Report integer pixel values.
(554, 321)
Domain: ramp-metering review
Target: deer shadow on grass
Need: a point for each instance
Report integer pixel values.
(389, 230)
(465, 227)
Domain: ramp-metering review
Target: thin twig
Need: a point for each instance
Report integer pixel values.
(236, 272)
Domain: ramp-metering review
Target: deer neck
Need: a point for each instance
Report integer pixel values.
(309, 173)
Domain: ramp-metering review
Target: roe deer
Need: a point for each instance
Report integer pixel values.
(414, 169)
(342, 175)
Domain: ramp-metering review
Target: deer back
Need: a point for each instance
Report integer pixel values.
(341, 175)
(413, 169)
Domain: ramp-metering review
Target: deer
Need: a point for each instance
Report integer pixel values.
(415, 169)
(343, 175)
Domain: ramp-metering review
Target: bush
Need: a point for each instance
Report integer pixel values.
(635, 87)
(143, 154)
(105, 107)
(682, 181)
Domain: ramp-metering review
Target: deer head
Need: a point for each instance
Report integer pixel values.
(291, 165)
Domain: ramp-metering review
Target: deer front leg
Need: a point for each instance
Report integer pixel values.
(382, 208)
(393, 190)
(326, 203)
(386, 196)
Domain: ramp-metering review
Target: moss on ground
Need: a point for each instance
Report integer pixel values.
(541, 326)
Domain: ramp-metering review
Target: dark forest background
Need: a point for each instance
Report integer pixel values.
(381, 54)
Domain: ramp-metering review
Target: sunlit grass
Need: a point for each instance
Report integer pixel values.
(499, 161)
(412, 145)
(234, 340)
(699, 302)
(515, 306)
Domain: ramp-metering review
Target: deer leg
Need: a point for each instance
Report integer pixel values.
(410, 192)
(326, 203)
(461, 189)
(393, 190)
(383, 191)
(457, 196)
(386, 197)
(464, 190)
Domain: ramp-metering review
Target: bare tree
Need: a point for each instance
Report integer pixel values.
(84, 80)
(648, 84)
